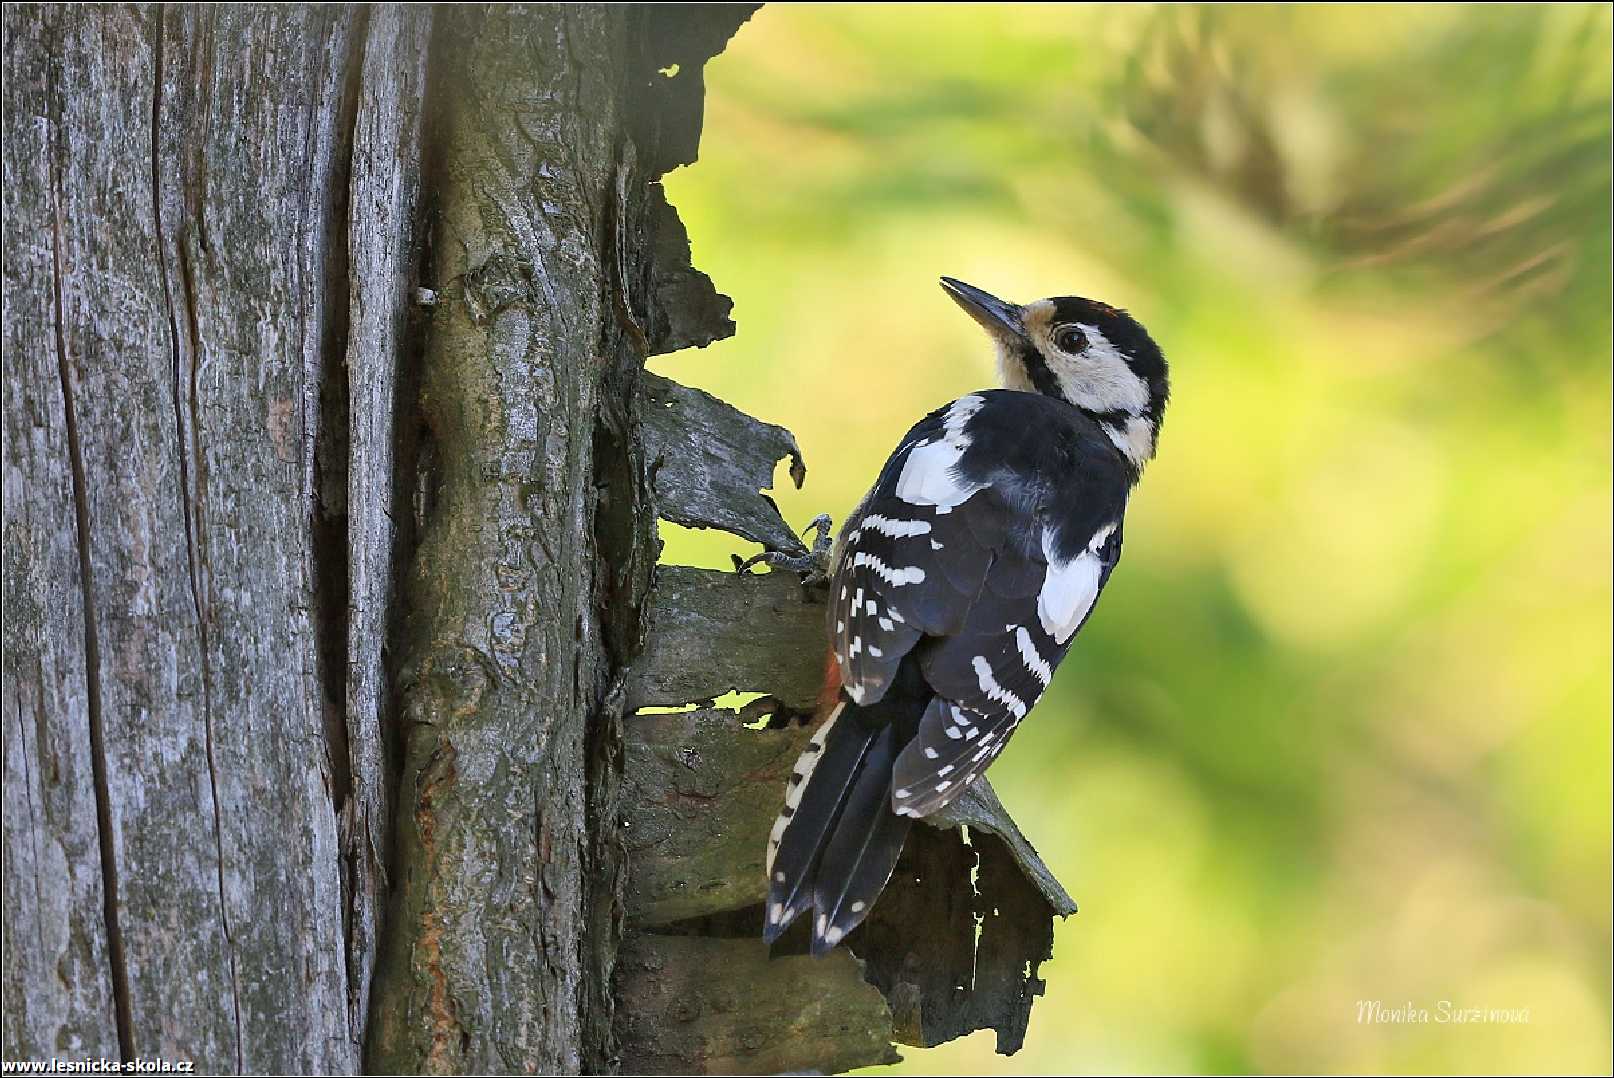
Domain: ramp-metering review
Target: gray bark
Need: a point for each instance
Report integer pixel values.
(725, 459)
(718, 633)
(382, 252)
(504, 666)
(189, 321)
(228, 437)
(710, 1005)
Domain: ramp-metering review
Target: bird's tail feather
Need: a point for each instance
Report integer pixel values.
(864, 849)
(837, 840)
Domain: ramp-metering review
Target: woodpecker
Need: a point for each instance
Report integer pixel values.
(957, 586)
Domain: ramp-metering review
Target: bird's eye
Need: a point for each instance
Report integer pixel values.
(1069, 339)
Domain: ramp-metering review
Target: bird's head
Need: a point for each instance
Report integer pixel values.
(1088, 354)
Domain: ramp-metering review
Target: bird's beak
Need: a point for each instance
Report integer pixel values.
(997, 317)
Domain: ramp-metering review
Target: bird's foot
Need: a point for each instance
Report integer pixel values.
(812, 564)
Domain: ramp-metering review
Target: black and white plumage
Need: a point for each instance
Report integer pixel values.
(957, 587)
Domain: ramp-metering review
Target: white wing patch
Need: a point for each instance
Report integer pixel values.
(1070, 588)
(930, 474)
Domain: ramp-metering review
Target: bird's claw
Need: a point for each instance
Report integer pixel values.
(812, 564)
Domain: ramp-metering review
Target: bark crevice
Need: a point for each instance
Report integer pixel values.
(329, 546)
(116, 959)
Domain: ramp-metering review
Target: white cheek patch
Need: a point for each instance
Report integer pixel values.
(1099, 379)
(930, 474)
(1069, 588)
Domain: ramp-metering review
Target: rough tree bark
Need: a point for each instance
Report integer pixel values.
(305, 616)
(331, 478)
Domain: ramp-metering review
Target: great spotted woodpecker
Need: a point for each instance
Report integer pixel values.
(957, 586)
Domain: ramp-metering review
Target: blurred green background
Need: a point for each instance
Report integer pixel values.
(1339, 730)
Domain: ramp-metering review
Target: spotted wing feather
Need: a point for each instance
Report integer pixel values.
(908, 564)
(953, 746)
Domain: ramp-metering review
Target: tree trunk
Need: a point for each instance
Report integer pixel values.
(331, 475)
(327, 532)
